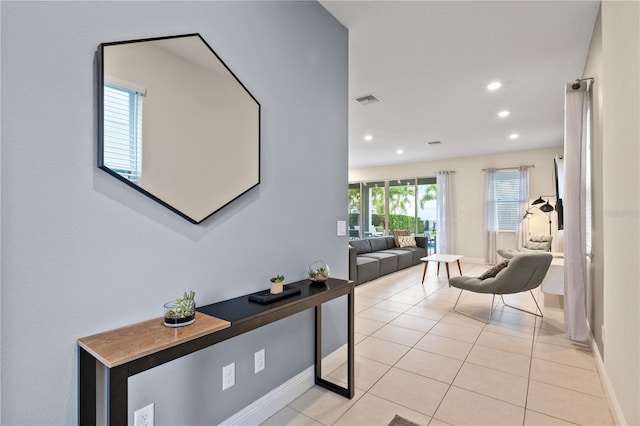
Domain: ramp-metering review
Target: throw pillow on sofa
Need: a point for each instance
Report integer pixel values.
(493, 271)
(406, 241)
(400, 233)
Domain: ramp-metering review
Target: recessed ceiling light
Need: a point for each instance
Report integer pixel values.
(399, 151)
(368, 138)
(503, 114)
(514, 136)
(494, 85)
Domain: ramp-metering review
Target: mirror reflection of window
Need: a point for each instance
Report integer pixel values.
(201, 125)
(123, 132)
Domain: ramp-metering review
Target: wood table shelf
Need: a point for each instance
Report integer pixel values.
(133, 349)
(117, 347)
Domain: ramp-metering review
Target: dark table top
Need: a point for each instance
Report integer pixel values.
(241, 308)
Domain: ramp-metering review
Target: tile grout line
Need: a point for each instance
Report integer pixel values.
(393, 366)
(482, 329)
(538, 326)
(458, 372)
(529, 379)
(526, 397)
(413, 347)
(370, 335)
(534, 338)
(561, 364)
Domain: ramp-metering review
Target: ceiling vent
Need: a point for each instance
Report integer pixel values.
(368, 99)
(434, 143)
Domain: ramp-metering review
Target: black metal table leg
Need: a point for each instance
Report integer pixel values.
(117, 398)
(87, 389)
(349, 391)
(351, 381)
(318, 340)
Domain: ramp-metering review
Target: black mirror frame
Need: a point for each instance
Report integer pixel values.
(100, 124)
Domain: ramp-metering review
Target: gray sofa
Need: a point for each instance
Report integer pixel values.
(372, 258)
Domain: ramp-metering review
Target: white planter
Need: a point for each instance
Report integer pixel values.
(276, 287)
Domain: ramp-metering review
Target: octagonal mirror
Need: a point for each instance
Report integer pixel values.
(176, 124)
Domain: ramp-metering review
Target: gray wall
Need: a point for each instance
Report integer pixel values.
(614, 294)
(83, 253)
(619, 112)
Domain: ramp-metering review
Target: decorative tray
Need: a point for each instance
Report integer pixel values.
(264, 297)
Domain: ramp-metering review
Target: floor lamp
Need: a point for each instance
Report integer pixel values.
(545, 207)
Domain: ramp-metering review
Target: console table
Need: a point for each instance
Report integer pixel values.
(133, 349)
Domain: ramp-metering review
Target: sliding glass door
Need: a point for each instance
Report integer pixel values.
(426, 205)
(402, 205)
(355, 208)
(374, 200)
(381, 207)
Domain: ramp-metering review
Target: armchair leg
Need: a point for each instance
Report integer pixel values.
(524, 310)
(538, 312)
(471, 316)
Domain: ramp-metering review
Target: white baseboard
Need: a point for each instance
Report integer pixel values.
(265, 407)
(334, 360)
(610, 395)
(477, 260)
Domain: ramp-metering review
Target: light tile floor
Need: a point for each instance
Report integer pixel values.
(417, 358)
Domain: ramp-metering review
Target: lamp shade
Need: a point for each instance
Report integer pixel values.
(546, 207)
(538, 201)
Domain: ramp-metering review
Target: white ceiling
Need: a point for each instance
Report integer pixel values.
(429, 63)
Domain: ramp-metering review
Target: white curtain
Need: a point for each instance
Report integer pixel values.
(576, 127)
(522, 233)
(444, 217)
(491, 219)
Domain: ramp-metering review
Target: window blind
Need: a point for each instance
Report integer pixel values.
(507, 189)
(123, 132)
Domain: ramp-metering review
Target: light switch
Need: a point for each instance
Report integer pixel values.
(342, 228)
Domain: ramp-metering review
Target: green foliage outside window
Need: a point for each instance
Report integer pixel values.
(401, 199)
(354, 200)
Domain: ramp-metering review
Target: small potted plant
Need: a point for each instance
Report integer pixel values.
(318, 272)
(276, 284)
(181, 311)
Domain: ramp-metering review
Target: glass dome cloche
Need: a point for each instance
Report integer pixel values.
(318, 272)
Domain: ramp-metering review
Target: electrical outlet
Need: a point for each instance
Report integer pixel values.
(228, 376)
(259, 361)
(144, 416)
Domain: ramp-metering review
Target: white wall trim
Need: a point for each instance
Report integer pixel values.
(609, 392)
(274, 401)
(476, 260)
(334, 360)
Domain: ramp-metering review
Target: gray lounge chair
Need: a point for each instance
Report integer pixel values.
(524, 272)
